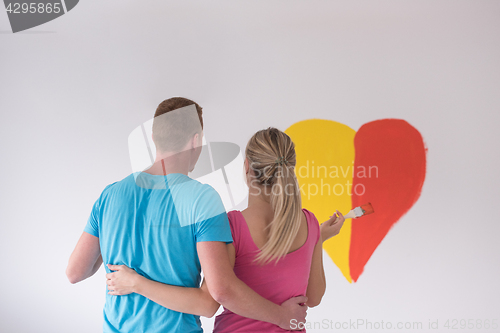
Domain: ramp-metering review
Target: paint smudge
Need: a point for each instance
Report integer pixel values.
(337, 168)
(325, 143)
(397, 150)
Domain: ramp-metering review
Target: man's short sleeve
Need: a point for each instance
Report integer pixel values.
(211, 218)
(92, 226)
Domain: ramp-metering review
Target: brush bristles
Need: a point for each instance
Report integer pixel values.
(368, 209)
(358, 211)
(363, 210)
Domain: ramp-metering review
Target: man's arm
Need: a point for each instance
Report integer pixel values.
(85, 259)
(235, 295)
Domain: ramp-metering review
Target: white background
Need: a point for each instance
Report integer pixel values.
(74, 88)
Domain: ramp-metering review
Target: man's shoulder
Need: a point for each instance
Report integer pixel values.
(116, 186)
(196, 189)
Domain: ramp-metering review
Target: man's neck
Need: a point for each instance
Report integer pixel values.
(170, 163)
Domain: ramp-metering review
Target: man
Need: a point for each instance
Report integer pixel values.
(167, 227)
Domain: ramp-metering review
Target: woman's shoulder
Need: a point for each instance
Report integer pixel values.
(309, 215)
(312, 222)
(235, 219)
(239, 231)
(234, 215)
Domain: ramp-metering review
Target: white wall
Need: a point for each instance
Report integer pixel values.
(73, 89)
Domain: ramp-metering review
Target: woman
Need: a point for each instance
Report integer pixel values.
(277, 248)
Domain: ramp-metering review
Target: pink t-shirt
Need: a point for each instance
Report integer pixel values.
(277, 283)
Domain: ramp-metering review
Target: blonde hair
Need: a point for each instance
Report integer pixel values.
(271, 154)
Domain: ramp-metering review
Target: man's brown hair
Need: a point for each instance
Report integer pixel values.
(172, 131)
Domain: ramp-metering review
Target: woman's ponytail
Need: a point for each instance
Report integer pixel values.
(271, 154)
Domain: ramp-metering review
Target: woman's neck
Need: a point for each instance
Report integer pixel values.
(260, 204)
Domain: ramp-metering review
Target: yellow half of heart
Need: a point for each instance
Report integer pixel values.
(325, 167)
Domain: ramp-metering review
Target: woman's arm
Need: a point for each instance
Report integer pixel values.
(196, 301)
(317, 283)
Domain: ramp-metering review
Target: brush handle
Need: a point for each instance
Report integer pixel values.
(350, 215)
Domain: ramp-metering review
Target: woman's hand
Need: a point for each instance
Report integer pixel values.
(123, 281)
(332, 227)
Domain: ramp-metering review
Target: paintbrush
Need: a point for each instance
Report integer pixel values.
(359, 211)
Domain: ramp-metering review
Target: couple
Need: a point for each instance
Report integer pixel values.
(157, 229)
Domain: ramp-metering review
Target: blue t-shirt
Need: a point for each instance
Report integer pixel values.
(152, 224)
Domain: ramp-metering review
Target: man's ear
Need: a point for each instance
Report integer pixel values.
(195, 141)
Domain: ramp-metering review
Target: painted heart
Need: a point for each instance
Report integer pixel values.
(26, 15)
(384, 163)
